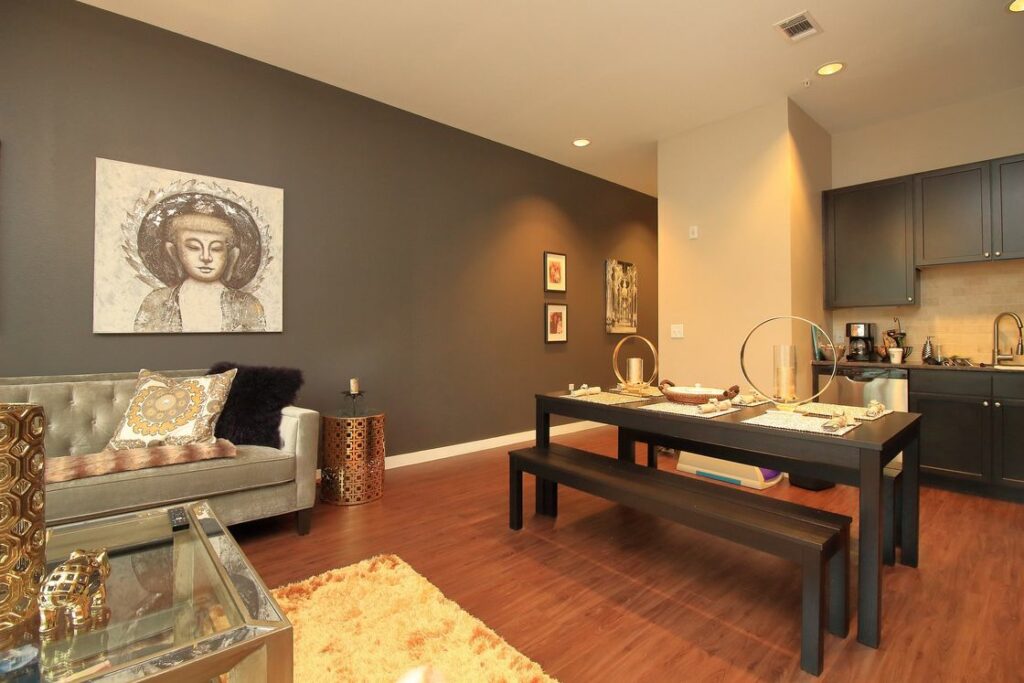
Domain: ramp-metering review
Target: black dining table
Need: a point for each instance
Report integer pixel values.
(856, 458)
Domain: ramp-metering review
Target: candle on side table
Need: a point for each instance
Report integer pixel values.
(353, 385)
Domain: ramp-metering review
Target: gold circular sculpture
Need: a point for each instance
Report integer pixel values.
(626, 386)
(779, 401)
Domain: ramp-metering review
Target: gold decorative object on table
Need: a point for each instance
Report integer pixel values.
(74, 597)
(352, 452)
(784, 365)
(22, 522)
(634, 382)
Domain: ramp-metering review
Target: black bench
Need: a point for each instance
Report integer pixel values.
(815, 539)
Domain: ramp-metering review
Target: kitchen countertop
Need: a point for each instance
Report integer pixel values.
(908, 366)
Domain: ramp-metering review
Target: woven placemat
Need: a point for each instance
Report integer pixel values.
(685, 409)
(794, 422)
(856, 412)
(609, 399)
(751, 405)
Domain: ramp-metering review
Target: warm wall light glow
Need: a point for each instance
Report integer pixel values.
(830, 68)
(581, 142)
(1016, 6)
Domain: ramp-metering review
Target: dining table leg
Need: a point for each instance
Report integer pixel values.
(910, 522)
(547, 491)
(869, 562)
(627, 445)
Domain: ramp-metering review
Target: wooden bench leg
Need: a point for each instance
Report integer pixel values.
(547, 498)
(812, 642)
(515, 495)
(839, 587)
(652, 456)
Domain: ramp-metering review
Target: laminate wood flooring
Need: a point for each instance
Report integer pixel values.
(604, 593)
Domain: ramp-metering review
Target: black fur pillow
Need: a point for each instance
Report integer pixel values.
(252, 413)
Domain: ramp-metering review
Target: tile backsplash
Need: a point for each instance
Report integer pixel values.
(958, 304)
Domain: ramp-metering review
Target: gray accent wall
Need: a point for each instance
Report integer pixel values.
(412, 250)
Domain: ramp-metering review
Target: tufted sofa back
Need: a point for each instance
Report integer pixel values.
(82, 411)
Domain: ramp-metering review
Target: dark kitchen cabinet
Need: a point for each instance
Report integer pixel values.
(956, 434)
(1008, 441)
(953, 215)
(869, 245)
(1007, 178)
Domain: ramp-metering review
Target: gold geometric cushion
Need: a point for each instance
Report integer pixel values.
(172, 411)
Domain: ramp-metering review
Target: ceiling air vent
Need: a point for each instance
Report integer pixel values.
(799, 26)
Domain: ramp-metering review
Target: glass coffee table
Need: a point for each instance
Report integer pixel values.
(184, 606)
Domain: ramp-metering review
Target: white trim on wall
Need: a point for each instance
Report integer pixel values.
(405, 459)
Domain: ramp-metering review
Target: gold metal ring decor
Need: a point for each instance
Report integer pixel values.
(643, 387)
(781, 402)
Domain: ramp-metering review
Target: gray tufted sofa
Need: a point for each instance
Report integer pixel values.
(82, 412)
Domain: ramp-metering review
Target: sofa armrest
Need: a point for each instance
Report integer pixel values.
(300, 434)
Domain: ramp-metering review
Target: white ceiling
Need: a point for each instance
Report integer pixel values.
(535, 74)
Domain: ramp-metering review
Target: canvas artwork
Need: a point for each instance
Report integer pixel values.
(556, 323)
(620, 297)
(554, 272)
(178, 252)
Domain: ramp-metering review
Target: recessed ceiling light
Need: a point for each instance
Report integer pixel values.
(835, 67)
(581, 142)
(1016, 6)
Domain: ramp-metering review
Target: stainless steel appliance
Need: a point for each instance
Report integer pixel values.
(862, 342)
(858, 387)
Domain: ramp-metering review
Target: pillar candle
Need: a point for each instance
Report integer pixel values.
(634, 370)
(353, 385)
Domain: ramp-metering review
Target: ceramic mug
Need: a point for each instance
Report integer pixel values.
(896, 355)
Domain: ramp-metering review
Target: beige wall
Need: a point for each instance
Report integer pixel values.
(958, 302)
(982, 128)
(810, 159)
(752, 184)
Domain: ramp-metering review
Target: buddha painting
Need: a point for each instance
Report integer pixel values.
(181, 253)
(205, 249)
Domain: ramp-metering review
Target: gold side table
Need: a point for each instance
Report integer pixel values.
(352, 456)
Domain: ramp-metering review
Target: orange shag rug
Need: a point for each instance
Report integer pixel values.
(379, 619)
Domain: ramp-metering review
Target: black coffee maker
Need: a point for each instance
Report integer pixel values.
(862, 342)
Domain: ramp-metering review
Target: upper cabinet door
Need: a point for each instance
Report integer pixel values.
(952, 215)
(1008, 207)
(869, 245)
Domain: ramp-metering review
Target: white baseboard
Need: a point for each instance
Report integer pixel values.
(405, 459)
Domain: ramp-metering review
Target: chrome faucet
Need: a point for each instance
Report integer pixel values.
(996, 356)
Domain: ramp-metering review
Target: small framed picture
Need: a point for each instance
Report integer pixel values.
(554, 272)
(555, 323)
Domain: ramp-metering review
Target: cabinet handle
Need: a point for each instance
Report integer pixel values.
(910, 298)
(986, 254)
(985, 403)
(999, 253)
(998, 404)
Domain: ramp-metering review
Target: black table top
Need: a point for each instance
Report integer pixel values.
(878, 435)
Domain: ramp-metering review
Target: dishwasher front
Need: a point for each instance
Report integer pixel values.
(858, 387)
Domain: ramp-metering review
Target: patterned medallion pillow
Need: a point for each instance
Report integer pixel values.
(172, 411)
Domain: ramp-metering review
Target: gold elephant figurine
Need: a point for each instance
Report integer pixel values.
(75, 594)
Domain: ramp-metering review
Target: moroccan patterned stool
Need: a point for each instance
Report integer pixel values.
(352, 457)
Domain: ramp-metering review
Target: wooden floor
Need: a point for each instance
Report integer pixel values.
(604, 593)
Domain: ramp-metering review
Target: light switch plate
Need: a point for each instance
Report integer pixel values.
(676, 331)
(694, 232)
